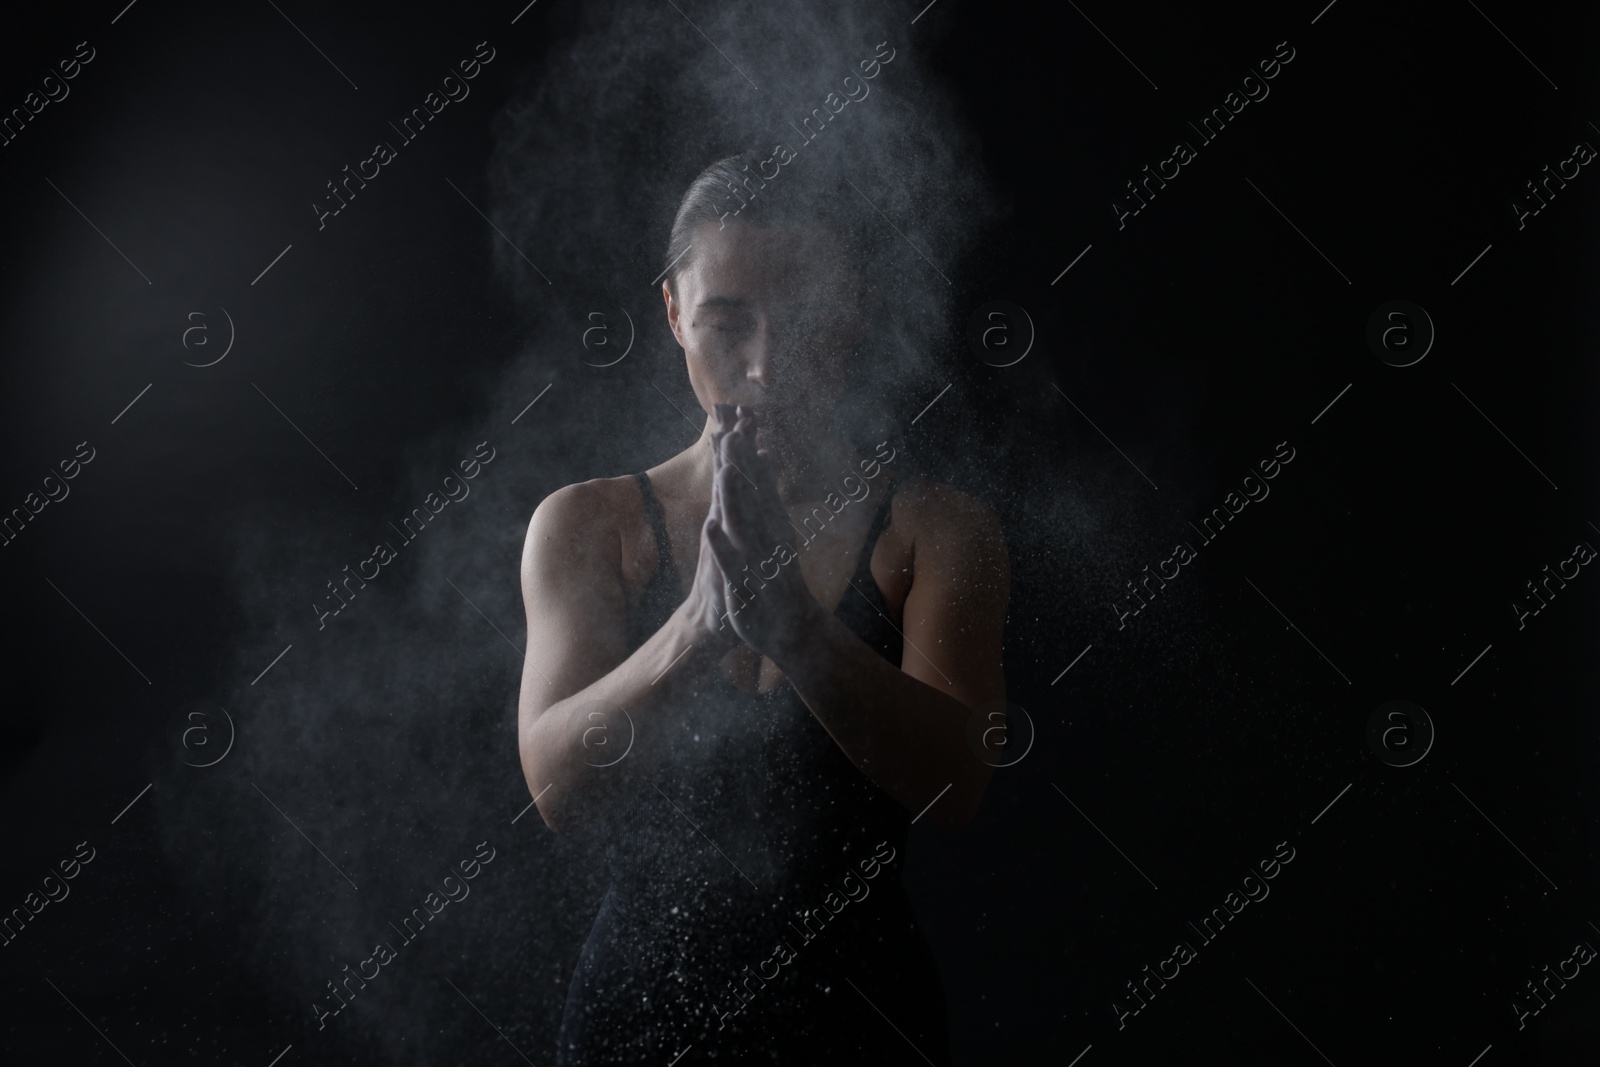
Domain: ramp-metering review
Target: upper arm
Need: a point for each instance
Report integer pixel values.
(573, 591)
(954, 614)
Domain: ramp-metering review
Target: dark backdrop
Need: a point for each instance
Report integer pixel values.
(161, 609)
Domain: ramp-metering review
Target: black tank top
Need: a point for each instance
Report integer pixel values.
(755, 831)
(755, 801)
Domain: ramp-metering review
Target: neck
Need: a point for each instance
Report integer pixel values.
(812, 472)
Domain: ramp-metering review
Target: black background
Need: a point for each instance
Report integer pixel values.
(1196, 338)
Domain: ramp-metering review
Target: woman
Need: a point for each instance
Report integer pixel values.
(750, 667)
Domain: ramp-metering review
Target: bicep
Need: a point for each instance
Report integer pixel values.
(954, 613)
(573, 594)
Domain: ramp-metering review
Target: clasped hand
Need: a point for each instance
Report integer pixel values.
(749, 573)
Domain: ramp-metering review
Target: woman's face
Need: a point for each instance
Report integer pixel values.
(768, 317)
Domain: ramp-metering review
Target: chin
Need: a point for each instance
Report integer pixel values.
(779, 430)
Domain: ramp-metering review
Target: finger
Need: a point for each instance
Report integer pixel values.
(740, 453)
(718, 429)
(727, 556)
(746, 515)
(723, 441)
(727, 452)
(726, 416)
(743, 412)
(752, 442)
(738, 428)
(768, 505)
(740, 447)
(716, 511)
(734, 457)
(763, 472)
(756, 526)
(738, 432)
(732, 494)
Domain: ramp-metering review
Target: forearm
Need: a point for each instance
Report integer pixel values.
(573, 752)
(907, 736)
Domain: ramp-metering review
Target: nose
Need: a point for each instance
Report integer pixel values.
(758, 368)
(758, 355)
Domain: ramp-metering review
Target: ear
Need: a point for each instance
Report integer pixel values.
(673, 313)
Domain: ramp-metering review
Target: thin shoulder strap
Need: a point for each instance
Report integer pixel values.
(864, 564)
(665, 566)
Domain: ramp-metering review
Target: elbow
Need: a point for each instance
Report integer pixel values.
(549, 797)
(566, 815)
(562, 803)
(553, 824)
(556, 807)
(543, 796)
(541, 788)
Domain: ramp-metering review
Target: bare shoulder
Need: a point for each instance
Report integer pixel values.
(944, 542)
(580, 529)
(934, 515)
(573, 591)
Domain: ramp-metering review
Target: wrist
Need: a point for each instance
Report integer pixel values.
(699, 626)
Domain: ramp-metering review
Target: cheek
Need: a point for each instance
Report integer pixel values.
(710, 366)
(710, 353)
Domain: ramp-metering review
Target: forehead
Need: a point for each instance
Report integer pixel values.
(747, 262)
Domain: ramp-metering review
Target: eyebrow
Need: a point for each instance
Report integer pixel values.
(821, 301)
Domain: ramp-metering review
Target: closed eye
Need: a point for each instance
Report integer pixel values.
(728, 326)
